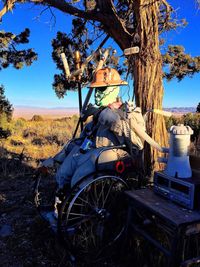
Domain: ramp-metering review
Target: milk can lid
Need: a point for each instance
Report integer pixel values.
(181, 129)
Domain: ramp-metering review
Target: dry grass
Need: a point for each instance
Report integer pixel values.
(31, 242)
(39, 139)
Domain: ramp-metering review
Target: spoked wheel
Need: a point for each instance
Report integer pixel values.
(44, 192)
(94, 218)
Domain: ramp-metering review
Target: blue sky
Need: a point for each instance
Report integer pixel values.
(32, 86)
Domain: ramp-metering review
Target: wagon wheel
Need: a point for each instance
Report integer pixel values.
(44, 192)
(94, 218)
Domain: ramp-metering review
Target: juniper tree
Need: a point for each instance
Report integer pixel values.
(128, 23)
(9, 55)
(198, 108)
(6, 111)
(179, 63)
(5, 106)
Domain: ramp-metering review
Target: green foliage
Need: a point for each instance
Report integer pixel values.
(198, 108)
(190, 119)
(68, 44)
(5, 106)
(9, 55)
(3, 120)
(37, 118)
(178, 64)
(6, 111)
(193, 120)
(79, 39)
(4, 126)
(170, 121)
(94, 19)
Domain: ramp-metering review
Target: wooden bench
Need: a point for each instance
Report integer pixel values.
(156, 220)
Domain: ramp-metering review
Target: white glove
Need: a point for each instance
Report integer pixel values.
(48, 162)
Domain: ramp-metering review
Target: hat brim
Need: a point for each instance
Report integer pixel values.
(103, 84)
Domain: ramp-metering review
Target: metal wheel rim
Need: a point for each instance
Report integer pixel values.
(115, 181)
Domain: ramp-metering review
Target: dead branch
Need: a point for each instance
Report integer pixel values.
(7, 7)
(114, 25)
(168, 9)
(68, 8)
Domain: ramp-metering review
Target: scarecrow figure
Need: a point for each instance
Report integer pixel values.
(108, 128)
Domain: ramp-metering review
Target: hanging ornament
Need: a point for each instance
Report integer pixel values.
(90, 5)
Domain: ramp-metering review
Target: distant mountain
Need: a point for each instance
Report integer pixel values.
(27, 112)
(181, 110)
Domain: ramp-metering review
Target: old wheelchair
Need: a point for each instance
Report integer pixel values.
(92, 215)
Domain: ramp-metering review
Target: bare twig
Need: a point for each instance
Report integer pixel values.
(52, 17)
(7, 7)
(168, 9)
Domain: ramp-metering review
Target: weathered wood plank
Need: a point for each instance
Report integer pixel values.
(169, 211)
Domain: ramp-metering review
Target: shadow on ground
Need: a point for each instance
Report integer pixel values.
(25, 240)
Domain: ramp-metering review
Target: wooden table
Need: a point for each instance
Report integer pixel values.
(152, 216)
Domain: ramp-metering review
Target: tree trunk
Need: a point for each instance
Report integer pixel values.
(147, 74)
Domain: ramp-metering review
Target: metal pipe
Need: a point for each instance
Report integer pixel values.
(83, 110)
(77, 125)
(77, 61)
(80, 103)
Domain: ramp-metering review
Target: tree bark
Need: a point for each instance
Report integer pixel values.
(147, 72)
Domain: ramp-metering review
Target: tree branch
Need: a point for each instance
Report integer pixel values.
(7, 7)
(168, 9)
(59, 4)
(113, 24)
(106, 14)
(67, 8)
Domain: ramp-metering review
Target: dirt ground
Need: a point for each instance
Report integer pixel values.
(25, 239)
